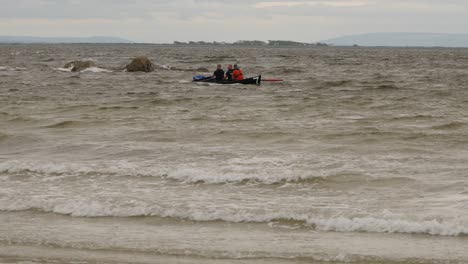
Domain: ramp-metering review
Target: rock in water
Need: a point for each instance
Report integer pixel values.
(140, 64)
(78, 66)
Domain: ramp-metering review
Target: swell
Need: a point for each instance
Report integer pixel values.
(25, 251)
(73, 124)
(384, 222)
(65, 124)
(241, 174)
(449, 126)
(3, 136)
(39, 169)
(414, 117)
(379, 135)
(118, 107)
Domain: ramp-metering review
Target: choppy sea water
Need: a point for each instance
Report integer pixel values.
(359, 156)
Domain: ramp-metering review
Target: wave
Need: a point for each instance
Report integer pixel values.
(64, 124)
(187, 174)
(117, 107)
(9, 68)
(253, 171)
(96, 70)
(18, 250)
(330, 84)
(385, 222)
(381, 225)
(63, 69)
(122, 168)
(414, 117)
(449, 126)
(21, 119)
(90, 69)
(384, 87)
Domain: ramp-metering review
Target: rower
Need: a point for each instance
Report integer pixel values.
(229, 72)
(219, 73)
(237, 74)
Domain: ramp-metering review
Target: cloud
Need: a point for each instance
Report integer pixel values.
(224, 20)
(310, 3)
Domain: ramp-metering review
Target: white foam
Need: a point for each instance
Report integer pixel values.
(379, 225)
(6, 68)
(90, 69)
(64, 69)
(165, 67)
(265, 170)
(253, 169)
(94, 207)
(96, 70)
(122, 168)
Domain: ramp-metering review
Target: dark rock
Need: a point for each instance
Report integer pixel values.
(78, 66)
(142, 64)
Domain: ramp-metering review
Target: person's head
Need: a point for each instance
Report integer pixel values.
(236, 67)
(219, 66)
(229, 66)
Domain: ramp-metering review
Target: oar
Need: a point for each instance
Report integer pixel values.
(272, 80)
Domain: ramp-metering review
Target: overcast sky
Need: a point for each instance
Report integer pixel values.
(222, 20)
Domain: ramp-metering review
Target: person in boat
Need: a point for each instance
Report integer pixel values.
(229, 72)
(237, 74)
(219, 73)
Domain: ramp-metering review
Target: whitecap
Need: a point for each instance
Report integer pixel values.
(64, 69)
(382, 225)
(115, 207)
(96, 70)
(90, 69)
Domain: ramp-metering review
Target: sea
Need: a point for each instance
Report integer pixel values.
(359, 156)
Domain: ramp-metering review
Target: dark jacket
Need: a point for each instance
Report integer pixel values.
(219, 74)
(229, 74)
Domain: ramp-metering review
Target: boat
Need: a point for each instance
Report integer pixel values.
(210, 79)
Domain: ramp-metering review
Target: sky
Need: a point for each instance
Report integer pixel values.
(223, 20)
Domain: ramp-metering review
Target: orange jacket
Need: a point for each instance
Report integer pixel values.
(238, 75)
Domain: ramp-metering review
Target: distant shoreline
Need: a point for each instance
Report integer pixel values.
(227, 46)
(395, 39)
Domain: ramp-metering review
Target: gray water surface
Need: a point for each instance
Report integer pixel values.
(360, 155)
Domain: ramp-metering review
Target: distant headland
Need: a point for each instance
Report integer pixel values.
(365, 40)
(30, 39)
(117, 40)
(402, 40)
(270, 43)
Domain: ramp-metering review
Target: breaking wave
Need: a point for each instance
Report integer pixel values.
(386, 222)
(90, 69)
(43, 168)
(236, 172)
(10, 68)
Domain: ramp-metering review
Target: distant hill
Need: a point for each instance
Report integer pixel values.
(402, 40)
(28, 39)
